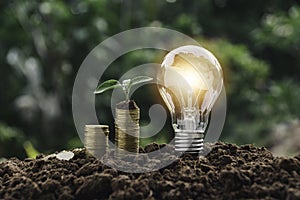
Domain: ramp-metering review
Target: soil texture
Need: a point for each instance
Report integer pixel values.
(227, 172)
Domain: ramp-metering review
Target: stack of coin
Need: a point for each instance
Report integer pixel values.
(96, 139)
(127, 130)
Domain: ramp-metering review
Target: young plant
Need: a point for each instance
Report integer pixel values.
(125, 122)
(125, 85)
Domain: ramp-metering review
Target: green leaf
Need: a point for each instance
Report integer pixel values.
(140, 79)
(30, 150)
(107, 85)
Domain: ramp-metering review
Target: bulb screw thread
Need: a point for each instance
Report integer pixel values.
(189, 142)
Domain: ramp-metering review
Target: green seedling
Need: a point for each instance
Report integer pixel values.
(125, 85)
(123, 117)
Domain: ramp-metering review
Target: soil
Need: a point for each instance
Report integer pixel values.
(227, 172)
(131, 105)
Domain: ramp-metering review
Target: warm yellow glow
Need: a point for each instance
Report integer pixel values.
(192, 78)
(189, 73)
(184, 80)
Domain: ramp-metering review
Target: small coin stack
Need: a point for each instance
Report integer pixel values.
(127, 130)
(96, 139)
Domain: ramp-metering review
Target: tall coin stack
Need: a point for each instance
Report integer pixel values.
(96, 139)
(127, 129)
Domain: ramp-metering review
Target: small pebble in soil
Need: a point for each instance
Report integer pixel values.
(65, 155)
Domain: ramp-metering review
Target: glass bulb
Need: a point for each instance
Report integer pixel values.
(190, 80)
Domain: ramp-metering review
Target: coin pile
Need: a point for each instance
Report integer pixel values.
(127, 130)
(96, 139)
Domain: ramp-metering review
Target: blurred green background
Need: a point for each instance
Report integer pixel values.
(43, 43)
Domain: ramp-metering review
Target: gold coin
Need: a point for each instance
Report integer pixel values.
(127, 130)
(96, 139)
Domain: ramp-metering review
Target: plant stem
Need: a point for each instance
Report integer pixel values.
(126, 88)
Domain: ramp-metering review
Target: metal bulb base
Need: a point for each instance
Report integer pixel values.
(189, 141)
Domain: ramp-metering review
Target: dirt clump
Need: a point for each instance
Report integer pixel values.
(227, 172)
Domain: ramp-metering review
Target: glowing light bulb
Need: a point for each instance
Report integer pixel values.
(190, 80)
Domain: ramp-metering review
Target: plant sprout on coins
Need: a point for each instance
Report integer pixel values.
(125, 85)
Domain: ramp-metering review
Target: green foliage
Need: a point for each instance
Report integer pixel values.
(43, 43)
(108, 85)
(280, 30)
(245, 81)
(277, 40)
(125, 85)
(30, 150)
(11, 141)
(139, 80)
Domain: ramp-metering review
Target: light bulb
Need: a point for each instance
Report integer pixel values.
(190, 80)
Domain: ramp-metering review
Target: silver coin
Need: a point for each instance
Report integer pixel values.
(96, 139)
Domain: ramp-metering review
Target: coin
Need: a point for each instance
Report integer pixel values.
(96, 139)
(127, 130)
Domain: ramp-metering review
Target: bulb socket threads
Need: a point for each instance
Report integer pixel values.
(189, 141)
(190, 132)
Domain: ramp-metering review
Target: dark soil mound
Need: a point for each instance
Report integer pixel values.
(227, 172)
